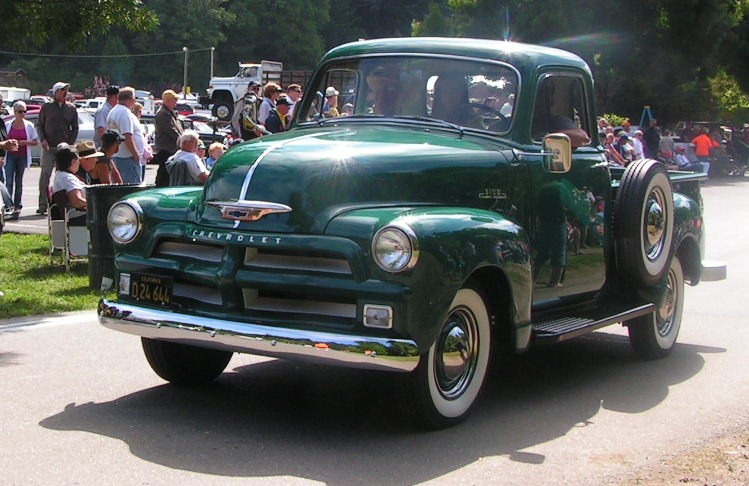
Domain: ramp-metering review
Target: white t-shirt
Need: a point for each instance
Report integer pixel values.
(67, 181)
(195, 164)
(265, 107)
(124, 121)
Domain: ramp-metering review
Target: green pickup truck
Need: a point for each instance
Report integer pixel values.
(457, 211)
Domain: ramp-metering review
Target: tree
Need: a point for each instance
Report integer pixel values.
(117, 68)
(434, 24)
(71, 23)
(290, 31)
(351, 20)
(195, 24)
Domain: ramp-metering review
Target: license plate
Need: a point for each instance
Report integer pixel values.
(151, 289)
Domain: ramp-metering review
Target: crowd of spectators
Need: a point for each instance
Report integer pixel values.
(695, 148)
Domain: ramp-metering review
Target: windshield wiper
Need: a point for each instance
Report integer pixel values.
(433, 120)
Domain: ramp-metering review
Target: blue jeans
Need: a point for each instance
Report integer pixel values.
(129, 169)
(15, 165)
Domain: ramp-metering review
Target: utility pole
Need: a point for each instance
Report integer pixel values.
(184, 85)
(212, 49)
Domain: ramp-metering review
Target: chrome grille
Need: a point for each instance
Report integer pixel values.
(256, 259)
(200, 252)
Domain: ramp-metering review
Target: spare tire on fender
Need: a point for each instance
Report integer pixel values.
(643, 223)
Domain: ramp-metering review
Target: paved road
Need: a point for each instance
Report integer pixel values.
(30, 222)
(80, 405)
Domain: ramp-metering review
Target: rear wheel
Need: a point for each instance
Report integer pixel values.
(449, 377)
(654, 336)
(182, 364)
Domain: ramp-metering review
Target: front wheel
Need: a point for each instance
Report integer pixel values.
(653, 336)
(449, 377)
(182, 364)
(223, 109)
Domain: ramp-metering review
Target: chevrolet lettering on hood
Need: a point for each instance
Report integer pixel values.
(237, 237)
(247, 210)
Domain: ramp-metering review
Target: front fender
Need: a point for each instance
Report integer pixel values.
(454, 244)
(163, 208)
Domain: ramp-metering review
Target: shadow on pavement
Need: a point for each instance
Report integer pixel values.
(342, 427)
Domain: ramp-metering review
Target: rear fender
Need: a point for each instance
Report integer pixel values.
(688, 236)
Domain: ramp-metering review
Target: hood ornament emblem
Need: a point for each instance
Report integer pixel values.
(247, 210)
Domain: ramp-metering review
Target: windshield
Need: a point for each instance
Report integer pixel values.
(471, 94)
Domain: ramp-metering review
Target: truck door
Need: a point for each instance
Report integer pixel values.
(568, 244)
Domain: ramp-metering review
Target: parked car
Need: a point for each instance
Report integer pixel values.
(208, 134)
(184, 109)
(31, 106)
(85, 130)
(92, 104)
(202, 117)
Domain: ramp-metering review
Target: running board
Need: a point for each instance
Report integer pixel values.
(568, 327)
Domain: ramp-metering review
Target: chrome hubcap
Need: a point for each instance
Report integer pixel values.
(456, 353)
(666, 311)
(222, 112)
(655, 224)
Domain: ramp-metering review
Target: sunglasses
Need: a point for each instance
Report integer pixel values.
(20, 111)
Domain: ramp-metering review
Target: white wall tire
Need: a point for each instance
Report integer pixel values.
(449, 377)
(644, 223)
(653, 336)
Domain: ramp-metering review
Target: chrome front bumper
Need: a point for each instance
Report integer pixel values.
(327, 348)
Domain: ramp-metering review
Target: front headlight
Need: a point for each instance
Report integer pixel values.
(124, 221)
(395, 248)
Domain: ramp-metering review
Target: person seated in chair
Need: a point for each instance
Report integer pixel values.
(185, 167)
(67, 189)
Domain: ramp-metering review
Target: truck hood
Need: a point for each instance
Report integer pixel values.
(319, 173)
(224, 80)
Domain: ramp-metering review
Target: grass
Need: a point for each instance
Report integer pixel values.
(33, 286)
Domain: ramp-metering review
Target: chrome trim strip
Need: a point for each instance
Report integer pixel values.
(321, 347)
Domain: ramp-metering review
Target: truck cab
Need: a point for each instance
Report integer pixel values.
(224, 92)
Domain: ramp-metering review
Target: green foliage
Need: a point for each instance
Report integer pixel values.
(71, 23)
(434, 24)
(33, 286)
(615, 120)
(117, 68)
(733, 100)
(661, 53)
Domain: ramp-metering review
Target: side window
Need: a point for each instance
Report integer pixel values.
(560, 106)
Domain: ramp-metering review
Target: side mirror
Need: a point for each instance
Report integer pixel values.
(557, 153)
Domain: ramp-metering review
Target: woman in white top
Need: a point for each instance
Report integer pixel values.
(67, 164)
